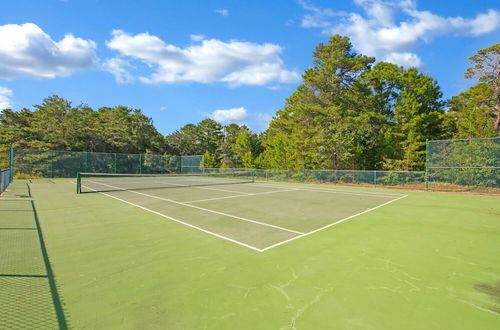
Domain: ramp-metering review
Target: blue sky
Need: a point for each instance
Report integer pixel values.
(234, 61)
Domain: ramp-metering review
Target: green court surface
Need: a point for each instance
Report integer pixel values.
(247, 256)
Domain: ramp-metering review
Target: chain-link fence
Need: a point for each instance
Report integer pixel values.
(5, 177)
(451, 165)
(398, 179)
(464, 165)
(64, 164)
(191, 164)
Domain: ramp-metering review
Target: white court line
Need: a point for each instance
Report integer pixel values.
(250, 246)
(334, 191)
(330, 225)
(201, 208)
(179, 221)
(216, 189)
(249, 194)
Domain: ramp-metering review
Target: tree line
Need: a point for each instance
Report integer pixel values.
(348, 113)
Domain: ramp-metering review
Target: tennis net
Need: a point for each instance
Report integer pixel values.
(103, 182)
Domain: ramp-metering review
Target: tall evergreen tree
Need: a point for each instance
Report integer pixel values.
(486, 68)
(472, 114)
(319, 127)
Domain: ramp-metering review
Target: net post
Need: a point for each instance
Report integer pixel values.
(78, 183)
(426, 165)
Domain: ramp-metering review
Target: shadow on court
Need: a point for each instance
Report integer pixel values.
(28, 295)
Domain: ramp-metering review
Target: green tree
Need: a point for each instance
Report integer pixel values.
(56, 124)
(325, 123)
(184, 141)
(209, 133)
(226, 155)
(350, 115)
(226, 150)
(243, 148)
(471, 114)
(209, 160)
(486, 68)
(418, 114)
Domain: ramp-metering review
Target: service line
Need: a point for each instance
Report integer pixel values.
(200, 208)
(236, 196)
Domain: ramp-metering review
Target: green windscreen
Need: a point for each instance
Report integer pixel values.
(4, 179)
(66, 164)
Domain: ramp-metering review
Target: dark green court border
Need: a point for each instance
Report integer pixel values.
(61, 319)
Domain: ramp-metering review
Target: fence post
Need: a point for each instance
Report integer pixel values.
(115, 162)
(375, 178)
(11, 163)
(52, 164)
(426, 165)
(140, 163)
(86, 161)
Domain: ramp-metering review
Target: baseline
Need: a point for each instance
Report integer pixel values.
(334, 191)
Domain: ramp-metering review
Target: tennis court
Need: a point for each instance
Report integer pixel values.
(231, 206)
(225, 252)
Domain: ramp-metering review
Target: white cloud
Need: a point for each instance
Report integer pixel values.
(197, 37)
(482, 24)
(233, 115)
(163, 108)
(27, 51)
(233, 62)
(318, 17)
(5, 98)
(264, 120)
(404, 59)
(223, 12)
(376, 32)
(119, 68)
